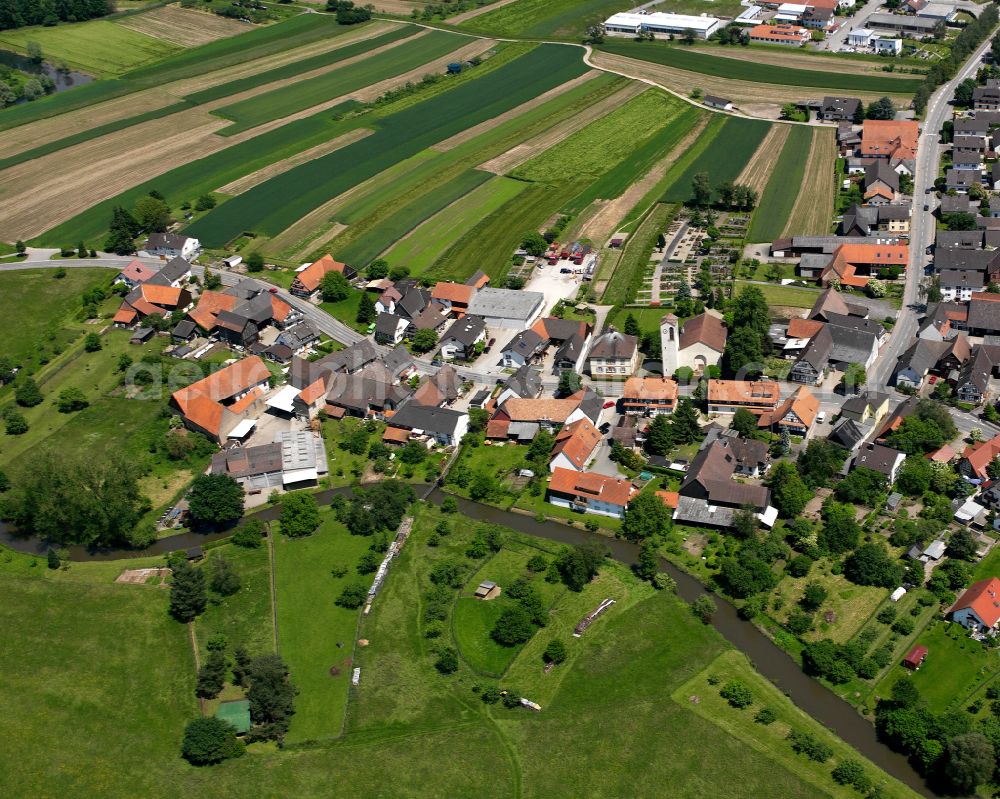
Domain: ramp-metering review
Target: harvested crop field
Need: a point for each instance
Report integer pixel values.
(27, 137)
(758, 169)
(182, 26)
(813, 210)
(681, 81)
(528, 150)
(255, 178)
(483, 127)
(793, 58)
(781, 194)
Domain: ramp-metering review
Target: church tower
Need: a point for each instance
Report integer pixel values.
(669, 343)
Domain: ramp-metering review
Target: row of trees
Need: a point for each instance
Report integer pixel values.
(730, 195)
(22, 13)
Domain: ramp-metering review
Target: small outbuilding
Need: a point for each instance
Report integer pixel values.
(896, 595)
(487, 590)
(916, 657)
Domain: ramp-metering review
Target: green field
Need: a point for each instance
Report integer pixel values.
(757, 71)
(641, 159)
(791, 296)
(779, 197)
(301, 66)
(392, 228)
(598, 148)
(546, 18)
(275, 204)
(627, 277)
(428, 242)
(314, 634)
(473, 622)
(97, 47)
(245, 617)
(288, 100)
(491, 243)
(722, 156)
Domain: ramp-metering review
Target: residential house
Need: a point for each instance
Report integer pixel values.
(970, 160)
(959, 239)
(441, 389)
(172, 245)
(797, 414)
(462, 338)
(444, 426)
(613, 354)
(984, 314)
(387, 299)
(571, 338)
(854, 264)
(349, 360)
(135, 273)
(148, 299)
(308, 281)
(525, 348)
(961, 180)
(892, 140)
(987, 98)
(390, 329)
(710, 497)
(870, 407)
(977, 457)
(525, 383)
(973, 381)
(848, 434)
(876, 220)
(218, 403)
(881, 459)
(520, 418)
(698, 344)
(453, 297)
(432, 317)
(756, 396)
(914, 364)
(842, 341)
(880, 177)
(649, 396)
(978, 608)
(954, 204)
(588, 492)
(750, 457)
(575, 445)
(236, 329)
(958, 285)
(838, 109)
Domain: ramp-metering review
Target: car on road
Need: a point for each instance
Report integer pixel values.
(927, 207)
(605, 428)
(273, 289)
(821, 417)
(609, 404)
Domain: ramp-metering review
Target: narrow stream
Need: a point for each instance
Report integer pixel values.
(771, 661)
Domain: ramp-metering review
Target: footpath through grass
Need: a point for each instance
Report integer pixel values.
(757, 71)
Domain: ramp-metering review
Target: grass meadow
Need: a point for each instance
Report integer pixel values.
(546, 18)
(790, 296)
(316, 636)
(97, 47)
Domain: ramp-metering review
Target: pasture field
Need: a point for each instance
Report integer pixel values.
(392, 228)
(491, 243)
(423, 246)
(316, 636)
(301, 66)
(474, 620)
(245, 618)
(813, 210)
(304, 94)
(274, 205)
(724, 155)
(97, 46)
(782, 191)
(770, 740)
(545, 18)
(760, 71)
(183, 27)
(600, 146)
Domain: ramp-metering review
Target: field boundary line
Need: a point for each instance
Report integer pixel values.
(274, 590)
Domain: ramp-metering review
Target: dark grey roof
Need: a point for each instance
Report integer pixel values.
(854, 322)
(709, 478)
(240, 462)
(964, 278)
(431, 419)
(614, 345)
(170, 241)
(870, 399)
(476, 277)
(571, 349)
(851, 344)
(859, 220)
(431, 317)
(956, 258)
(386, 324)
(525, 382)
(175, 269)
(878, 458)
(232, 321)
(961, 178)
(841, 105)
(959, 239)
(976, 126)
(966, 157)
(969, 142)
(184, 328)
(978, 369)
(817, 351)
(413, 302)
(397, 360)
(245, 290)
(881, 171)
(893, 212)
(591, 405)
(921, 356)
(957, 204)
(847, 434)
(526, 343)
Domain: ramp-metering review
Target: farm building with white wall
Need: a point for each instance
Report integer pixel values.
(660, 24)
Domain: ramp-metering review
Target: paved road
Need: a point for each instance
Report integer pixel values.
(835, 40)
(922, 222)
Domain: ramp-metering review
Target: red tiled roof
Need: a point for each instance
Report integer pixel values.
(137, 271)
(210, 305)
(201, 402)
(497, 428)
(312, 275)
(396, 435)
(577, 442)
(669, 498)
(125, 315)
(594, 486)
(890, 138)
(457, 293)
(313, 392)
(803, 328)
(759, 392)
(641, 390)
(984, 600)
(802, 403)
(167, 296)
(979, 455)
(915, 656)
(705, 328)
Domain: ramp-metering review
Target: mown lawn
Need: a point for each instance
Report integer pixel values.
(97, 46)
(315, 636)
(791, 296)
